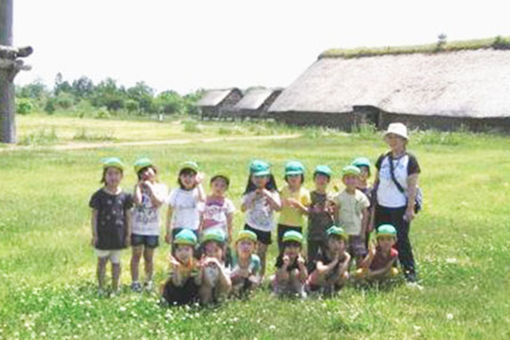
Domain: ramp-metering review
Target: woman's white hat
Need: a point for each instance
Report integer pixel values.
(398, 129)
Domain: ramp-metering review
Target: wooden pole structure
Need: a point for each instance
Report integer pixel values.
(10, 65)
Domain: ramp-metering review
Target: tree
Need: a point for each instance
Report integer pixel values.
(82, 87)
(143, 94)
(109, 95)
(169, 102)
(61, 85)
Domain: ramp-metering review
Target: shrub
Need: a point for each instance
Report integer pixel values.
(24, 106)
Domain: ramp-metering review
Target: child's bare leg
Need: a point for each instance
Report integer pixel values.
(295, 283)
(223, 289)
(101, 271)
(115, 276)
(261, 252)
(205, 293)
(148, 255)
(135, 262)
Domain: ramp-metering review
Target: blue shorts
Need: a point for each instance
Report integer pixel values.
(149, 241)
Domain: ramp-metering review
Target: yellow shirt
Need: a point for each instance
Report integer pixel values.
(291, 216)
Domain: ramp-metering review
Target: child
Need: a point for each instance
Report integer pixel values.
(351, 212)
(295, 201)
(363, 164)
(183, 202)
(182, 285)
(291, 272)
(246, 264)
(320, 215)
(149, 195)
(379, 263)
(216, 282)
(260, 200)
(332, 264)
(111, 221)
(218, 211)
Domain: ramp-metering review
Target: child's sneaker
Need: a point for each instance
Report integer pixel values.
(136, 287)
(149, 285)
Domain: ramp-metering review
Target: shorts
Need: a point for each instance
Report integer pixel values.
(149, 241)
(356, 246)
(112, 254)
(263, 237)
(185, 294)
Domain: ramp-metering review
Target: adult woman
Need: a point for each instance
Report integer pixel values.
(395, 203)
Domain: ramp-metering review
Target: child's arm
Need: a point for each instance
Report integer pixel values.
(273, 198)
(248, 201)
(176, 275)
(230, 219)
(93, 223)
(137, 197)
(345, 265)
(336, 213)
(201, 192)
(382, 271)
(168, 236)
(156, 194)
(282, 274)
(303, 272)
(365, 218)
(129, 223)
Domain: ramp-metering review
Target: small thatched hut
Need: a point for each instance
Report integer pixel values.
(255, 103)
(215, 102)
(444, 89)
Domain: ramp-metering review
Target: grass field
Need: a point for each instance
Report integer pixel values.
(47, 268)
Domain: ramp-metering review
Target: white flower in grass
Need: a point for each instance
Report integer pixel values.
(449, 316)
(122, 309)
(272, 327)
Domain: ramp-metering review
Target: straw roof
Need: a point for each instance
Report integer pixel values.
(254, 99)
(214, 97)
(465, 83)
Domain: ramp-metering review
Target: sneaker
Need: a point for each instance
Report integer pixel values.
(136, 287)
(411, 277)
(149, 285)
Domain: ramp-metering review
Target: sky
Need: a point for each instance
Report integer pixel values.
(191, 44)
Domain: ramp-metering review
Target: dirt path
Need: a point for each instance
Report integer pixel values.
(81, 146)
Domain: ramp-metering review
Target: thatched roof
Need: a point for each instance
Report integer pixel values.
(473, 83)
(254, 99)
(215, 97)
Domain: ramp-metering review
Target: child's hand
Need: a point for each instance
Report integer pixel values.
(199, 178)
(371, 250)
(286, 261)
(292, 202)
(173, 261)
(300, 260)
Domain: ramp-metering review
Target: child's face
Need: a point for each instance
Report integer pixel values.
(336, 244)
(183, 253)
(350, 181)
(259, 181)
(219, 186)
(213, 249)
(113, 176)
(292, 250)
(294, 180)
(321, 181)
(148, 174)
(245, 247)
(385, 242)
(363, 176)
(188, 180)
(394, 141)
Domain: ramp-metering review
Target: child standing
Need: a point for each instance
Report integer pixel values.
(149, 195)
(182, 286)
(320, 215)
(291, 272)
(332, 264)
(245, 273)
(352, 212)
(183, 202)
(379, 263)
(295, 201)
(259, 202)
(111, 221)
(363, 164)
(216, 282)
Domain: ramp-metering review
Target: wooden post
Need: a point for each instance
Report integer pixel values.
(7, 123)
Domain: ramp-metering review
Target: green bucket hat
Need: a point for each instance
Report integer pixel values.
(294, 168)
(350, 170)
(246, 235)
(112, 162)
(336, 231)
(361, 161)
(185, 237)
(213, 235)
(259, 168)
(294, 236)
(386, 230)
(323, 170)
(142, 163)
(189, 165)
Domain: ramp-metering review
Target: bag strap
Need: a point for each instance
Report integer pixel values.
(399, 187)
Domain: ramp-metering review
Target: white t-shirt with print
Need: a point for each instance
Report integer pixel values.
(185, 206)
(260, 213)
(215, 212)
(146, 219)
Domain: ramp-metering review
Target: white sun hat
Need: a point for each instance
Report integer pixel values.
(398, 129)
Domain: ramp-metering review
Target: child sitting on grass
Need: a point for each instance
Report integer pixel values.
(331, 265)
(291, 272)
(185, 279)
(380, 261)
(245, 273)
(216, 283)
(111, 222)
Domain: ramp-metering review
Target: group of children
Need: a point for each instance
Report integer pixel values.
(208, 265)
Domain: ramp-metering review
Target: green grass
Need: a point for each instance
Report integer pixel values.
(461, 242)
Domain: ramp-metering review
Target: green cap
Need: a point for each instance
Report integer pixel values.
(112, 162)
(350, 170)
(142, 163)
(323, 170)
(246, 235)
(386, 230)
(259, 168)
(294, 168)
(189, 165)
(214, 235)
(336, 231)
(293, 235)
(361, 161)
(186, 237)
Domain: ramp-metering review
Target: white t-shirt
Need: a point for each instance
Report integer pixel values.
(146, 218)
(215, 212)
(351, 210)
(260, 213)
(185, 205)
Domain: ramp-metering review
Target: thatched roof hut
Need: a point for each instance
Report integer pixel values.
(215, 102)
(441, 89)
(255, 103)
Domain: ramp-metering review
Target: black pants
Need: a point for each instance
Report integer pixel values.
(395, 217)
(313, 247)
(282, 229)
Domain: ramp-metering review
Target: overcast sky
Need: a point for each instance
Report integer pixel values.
(190, 44)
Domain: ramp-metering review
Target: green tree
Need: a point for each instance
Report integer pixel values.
(143, 94)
